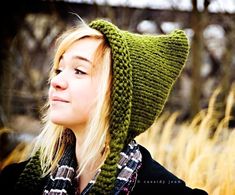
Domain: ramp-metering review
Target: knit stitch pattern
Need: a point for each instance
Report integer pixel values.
(121, 97)
(145, 68)
(30, 177)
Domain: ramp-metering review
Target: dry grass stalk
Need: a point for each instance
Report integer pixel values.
(201, 152)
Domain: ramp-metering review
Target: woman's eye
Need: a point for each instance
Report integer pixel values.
(77, 71)
(57, 71)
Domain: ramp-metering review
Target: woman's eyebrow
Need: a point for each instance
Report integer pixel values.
(82, 58)
(77, 57)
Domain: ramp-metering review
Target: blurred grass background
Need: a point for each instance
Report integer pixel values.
(200, 151)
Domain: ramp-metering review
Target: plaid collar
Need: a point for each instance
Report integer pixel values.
(128, 166)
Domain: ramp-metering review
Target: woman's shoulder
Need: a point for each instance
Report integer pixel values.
(9, 177)
(153, 177)
(10, 174)
(151, 169)
(12, 170)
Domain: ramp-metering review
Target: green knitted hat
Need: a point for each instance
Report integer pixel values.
(144, 69)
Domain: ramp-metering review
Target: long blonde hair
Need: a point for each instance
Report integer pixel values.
(50, 140)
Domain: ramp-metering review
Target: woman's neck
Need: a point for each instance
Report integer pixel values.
(92, 167)
(80, 137)
(89, 172)
(85, 178)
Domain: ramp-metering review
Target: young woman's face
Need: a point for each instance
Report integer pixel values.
(73, 91)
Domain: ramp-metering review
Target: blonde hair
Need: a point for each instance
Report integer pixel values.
(50, 141)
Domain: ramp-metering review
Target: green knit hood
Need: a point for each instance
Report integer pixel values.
(144, 70)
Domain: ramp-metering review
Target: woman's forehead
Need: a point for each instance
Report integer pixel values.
(82, 50)
(79, 50)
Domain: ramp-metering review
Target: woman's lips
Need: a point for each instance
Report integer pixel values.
(59, 99)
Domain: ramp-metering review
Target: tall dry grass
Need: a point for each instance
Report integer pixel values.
(201, 151)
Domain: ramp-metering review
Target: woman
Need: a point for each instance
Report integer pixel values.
(106, 87)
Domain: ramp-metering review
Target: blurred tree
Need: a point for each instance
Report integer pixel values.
(198, 23)
(226, 63)
(227, 59)
(10, 21)
(32, 59)
(26, 39)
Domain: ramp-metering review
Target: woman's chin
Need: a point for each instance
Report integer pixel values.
(57, 120)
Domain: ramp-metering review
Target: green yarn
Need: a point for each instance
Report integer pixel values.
(121, 100)
(145, 68)
(31, 176)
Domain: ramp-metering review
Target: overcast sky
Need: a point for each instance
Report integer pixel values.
(215, 6)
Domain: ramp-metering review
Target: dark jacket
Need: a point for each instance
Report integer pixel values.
(152, 179)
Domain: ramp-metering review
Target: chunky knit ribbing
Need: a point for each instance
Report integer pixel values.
(29, 179)
(156, 61)
(145, 67)
(121, 97)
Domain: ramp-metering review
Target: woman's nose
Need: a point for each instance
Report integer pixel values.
(59, 82)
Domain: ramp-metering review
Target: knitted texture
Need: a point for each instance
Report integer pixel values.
(29, 179)
(121, 97)
(145, 67)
